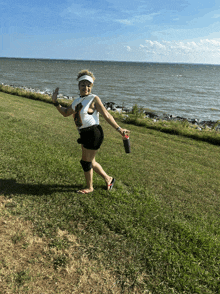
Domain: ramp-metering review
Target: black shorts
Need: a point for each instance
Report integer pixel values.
(91, 137)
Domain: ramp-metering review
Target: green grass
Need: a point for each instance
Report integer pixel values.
(30, 95)
(158, 230)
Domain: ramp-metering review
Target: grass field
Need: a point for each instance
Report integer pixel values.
(158, 231)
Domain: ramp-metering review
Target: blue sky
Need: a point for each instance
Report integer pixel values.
(120, 30)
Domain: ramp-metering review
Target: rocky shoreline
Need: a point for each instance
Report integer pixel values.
(197, 123)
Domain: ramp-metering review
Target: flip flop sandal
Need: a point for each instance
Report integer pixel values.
(110, 186)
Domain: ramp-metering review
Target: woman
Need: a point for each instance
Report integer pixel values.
(85, 111)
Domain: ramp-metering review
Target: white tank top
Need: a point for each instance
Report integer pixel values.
(81, 116)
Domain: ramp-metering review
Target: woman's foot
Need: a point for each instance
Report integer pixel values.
(110, 183)
(85, 191)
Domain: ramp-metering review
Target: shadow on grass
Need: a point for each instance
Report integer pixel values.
(9, 187)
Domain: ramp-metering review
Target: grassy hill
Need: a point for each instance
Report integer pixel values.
(158, 231)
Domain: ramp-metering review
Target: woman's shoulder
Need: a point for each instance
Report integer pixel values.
(93, 95)
(96, 98)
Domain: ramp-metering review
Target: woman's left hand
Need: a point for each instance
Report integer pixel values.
(124, 132)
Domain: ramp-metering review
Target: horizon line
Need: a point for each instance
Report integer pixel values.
(88, 60)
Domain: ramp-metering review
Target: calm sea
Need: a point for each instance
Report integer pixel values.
(187, 90)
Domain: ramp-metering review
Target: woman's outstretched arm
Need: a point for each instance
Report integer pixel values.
(108, 117)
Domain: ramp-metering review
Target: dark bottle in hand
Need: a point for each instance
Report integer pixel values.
(126, 142)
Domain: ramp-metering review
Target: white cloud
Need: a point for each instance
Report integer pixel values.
(154, 44)
(78, 10)
(211, 46)
(128, 48)
(143, 18)
(201, 51)
(216, 16)
(124, 21)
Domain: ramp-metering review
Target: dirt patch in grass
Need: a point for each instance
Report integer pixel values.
(30, 264)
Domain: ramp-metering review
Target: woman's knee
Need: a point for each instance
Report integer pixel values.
(86, 165)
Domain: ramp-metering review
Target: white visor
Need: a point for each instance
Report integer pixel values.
(85, 77)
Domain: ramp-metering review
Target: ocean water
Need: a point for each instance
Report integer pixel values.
(186, 90)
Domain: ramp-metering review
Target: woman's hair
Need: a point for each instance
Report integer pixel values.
(85, 72)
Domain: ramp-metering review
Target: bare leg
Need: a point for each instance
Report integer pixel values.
(100, 171)
(89, 156)
(89, 181)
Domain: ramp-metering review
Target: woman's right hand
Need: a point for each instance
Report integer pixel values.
(54, 96)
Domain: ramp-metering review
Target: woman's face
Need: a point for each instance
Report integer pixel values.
(85, 88)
